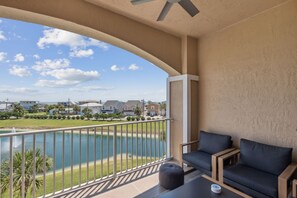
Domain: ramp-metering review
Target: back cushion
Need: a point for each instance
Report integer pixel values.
(268, 158)
(213, 143)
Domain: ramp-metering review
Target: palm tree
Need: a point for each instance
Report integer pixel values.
(17, 171)
(61, 108)
(137, 111)
(163, 108)
(34, 108)
(18, 110)
(87, 112)
(76, 108)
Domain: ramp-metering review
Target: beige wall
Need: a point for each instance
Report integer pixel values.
(248, 78)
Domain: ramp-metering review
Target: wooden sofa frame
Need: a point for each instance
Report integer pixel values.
(214, 157)
(282, 178)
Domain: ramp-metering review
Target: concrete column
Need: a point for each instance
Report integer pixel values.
(180, 109)
(182, 98)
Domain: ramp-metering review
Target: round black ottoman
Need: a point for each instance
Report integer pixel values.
(171, 176)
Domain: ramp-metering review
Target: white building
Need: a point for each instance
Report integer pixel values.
(6, 107)
(94, 107)
(113, 106)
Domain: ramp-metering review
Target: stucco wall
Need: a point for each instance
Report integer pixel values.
(248, 78)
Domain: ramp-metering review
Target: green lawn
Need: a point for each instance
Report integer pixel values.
(48, 124)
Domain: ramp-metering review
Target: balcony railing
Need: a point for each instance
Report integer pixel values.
(48, 162)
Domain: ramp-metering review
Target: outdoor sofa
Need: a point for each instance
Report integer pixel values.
(261, 170)
(210, 147)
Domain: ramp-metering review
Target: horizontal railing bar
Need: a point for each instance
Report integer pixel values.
(76, 128)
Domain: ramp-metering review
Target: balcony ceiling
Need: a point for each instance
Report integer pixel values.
(214, 14)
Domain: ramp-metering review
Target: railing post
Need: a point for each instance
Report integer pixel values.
(115, 151)
(167, 124)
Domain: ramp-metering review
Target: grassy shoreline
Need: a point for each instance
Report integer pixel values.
(23, 125)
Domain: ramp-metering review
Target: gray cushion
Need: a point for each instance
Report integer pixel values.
(268, 158)
(213, 143)
(245, 189)
(254, 179)
(199, 158)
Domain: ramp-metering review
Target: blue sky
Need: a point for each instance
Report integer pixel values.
(47, 64)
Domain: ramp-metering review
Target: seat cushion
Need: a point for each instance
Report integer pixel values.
(268, 158)
(213, 143)
(254, 179)
(199, 158)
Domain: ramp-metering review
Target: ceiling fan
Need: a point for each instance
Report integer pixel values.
(186, 4)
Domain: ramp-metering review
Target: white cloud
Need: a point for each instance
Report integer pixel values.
(2, 56)
(116, 68)
(55, 83)
(21, 90)
(2, 37)
(91, 88)
(0, 21)
(72, 74)
(36, 56)
(58, 37)
(67, 77)
(19, 58)
(19, 71)
(133, 67)
(81, 53)
(49, 64)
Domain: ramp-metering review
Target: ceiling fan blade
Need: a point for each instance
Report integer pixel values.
(164, 11)
(136, 2)
(189, 7)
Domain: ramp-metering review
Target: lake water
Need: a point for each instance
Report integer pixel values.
(144, 147)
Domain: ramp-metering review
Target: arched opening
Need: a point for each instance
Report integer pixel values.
(22, 15)
(37, 142)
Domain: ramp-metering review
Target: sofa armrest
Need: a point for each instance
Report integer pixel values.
(181, 148)
(283, 180)
(214, 161)
(221, 160)
(188, 143)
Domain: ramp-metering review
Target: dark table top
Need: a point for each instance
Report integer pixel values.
(199, 188)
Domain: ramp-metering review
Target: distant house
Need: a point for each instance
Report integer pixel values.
(68, 103)
(153, 109)
(6, 107)
(88, 101)
(130, 106)
(112, 106)
(94, 107)
(66, 111)
(53, 111)
(27, 105)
